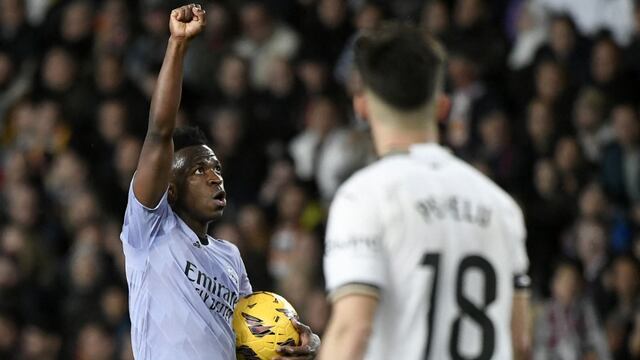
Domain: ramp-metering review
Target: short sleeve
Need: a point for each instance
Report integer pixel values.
(143, 225)
(354, 252)
(245, 284)
(516, 236)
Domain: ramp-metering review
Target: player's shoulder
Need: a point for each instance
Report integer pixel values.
(362, 180)
(230, 250)
(490, 189)
(466, 178)
(225, 244)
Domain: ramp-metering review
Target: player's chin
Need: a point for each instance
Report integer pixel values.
(214, 210)
(217, 213)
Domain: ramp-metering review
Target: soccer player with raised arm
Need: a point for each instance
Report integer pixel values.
(183, 284)
(425, 256)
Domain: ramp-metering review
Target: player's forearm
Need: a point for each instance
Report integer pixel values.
(520, 323)
(168, 90)
(345, 341)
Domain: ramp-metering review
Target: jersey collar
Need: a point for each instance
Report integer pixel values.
(430, 150)
(191, 234)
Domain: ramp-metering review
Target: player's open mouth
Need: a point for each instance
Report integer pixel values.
(220, 198)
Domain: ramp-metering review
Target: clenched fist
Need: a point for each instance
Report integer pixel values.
(187, 21)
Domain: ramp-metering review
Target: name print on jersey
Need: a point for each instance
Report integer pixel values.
(455, 208)
(219, 298)
(369, 243)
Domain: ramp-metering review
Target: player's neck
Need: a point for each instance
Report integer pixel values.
(395, 131)
(393, 140)
(199, 228)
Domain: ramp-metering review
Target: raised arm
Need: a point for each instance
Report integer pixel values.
(154, 167)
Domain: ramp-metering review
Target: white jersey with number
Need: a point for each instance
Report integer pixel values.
(441, 242)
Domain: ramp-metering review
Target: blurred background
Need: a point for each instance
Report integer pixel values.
(544, 99)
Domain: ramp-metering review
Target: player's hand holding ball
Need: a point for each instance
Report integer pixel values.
(187, 21)
(267, 328)
(308, 348)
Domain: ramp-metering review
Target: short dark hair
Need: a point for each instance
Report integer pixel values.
(186, 136)
(399, 65)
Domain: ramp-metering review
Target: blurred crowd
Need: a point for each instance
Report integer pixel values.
(543, 101)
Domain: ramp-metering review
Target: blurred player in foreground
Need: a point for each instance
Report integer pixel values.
(183, 284)
(425, 257)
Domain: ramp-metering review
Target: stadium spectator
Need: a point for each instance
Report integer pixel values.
(326, 31)
(531, 33)
(571, 166)
(567, 48)
(263, 39)
(548, 212)
(39, 342)
(470, 99)
(233, 88)
(472, 32)
(75, 32)
(113, 28)
(608, 74)
(620, 319)
(592, 16)
(16, 35)
(256, 235)
(145, 54)
(541, 133)
(243, 167)
(10, 335)
(498, 150)
(367, 17)
(95, 342)
(324, 153)
(567, 327)
(619, 175)
(278, 107)
(435, 19)
(592, 132)
(207, 50)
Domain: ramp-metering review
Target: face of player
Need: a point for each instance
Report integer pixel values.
(197, 187)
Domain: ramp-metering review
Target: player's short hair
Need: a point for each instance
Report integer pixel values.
(186, 136)
(399, 65)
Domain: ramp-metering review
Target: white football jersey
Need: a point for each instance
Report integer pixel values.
(442, 243)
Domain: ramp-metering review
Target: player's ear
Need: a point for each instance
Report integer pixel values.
(443, 107)
(360, 105)
(172, 193)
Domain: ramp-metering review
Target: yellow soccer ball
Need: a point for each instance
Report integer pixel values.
(262, 322)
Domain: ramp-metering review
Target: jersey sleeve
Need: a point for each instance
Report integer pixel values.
(143, 225)
(354, 252)
(245, 284)
(516, 235)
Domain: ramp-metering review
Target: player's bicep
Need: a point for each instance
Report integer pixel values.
(154, 169)
(354, 253)
(516, 234)
(143, 224)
